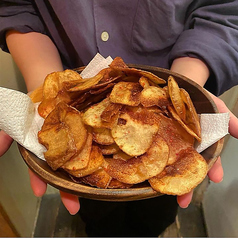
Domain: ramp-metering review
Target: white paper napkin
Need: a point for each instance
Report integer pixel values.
(19, 117)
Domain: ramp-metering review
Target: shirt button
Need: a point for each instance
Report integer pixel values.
(104, 36)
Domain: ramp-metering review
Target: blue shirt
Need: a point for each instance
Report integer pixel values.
(140, 31)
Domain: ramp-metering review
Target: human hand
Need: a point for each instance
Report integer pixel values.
(215, 174)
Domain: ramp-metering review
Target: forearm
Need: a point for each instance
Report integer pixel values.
(35, 55)
(192, 68)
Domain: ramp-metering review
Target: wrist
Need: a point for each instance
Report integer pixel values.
(193, 68)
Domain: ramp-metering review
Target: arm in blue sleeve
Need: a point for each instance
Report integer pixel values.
(19, 15)
(211, 34)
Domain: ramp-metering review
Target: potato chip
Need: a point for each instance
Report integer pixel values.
(59, 144)
(153, 96)
(37, 95)
(109, 149)
(92, 116)
(132, 135)
(179, 120)
(54, 91)
(99, 179)
(122, 156)
(61, 121)
(95, 161)
(182, 176)
(139, 169)
(81, 160)
(102, 136)
(192, 119)
(143, 81)
(175, 96)
(126, 93)
(175, 135)
(115, 184)
(86, 84)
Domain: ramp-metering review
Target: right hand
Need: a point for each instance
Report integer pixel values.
(71, 202)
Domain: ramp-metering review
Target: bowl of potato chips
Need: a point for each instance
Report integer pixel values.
(127, 133)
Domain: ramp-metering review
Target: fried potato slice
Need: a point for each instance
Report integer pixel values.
(118, 185)
(109, 149)
(86, 83)
(37, 95)
(81, 160)
(59, 144)
(99, 179)
(175, 135)
(143, 81)
(126, 93)
(92, 116)
(139, 169)
(153, 96)
(102, 136)
(175, 96)
(192, 119)
(121, 155)
(95, 161)
(182, 176)
(61, 121)
(178, 119)
(54, 91)
(132, 135)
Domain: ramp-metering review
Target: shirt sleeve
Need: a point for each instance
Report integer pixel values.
(210, 34)
(19, 15)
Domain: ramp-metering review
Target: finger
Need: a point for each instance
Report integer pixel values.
(38, 186)
(216, 172)
(233, 123)
(184, 200)
(71, 202)
(5, 142)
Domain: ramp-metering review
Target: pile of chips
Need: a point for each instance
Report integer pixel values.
(122, 127)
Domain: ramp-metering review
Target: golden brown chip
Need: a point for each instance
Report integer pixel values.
(178, 119)
(126, 93)
(37, 95)
(102, 136)
(63, 123)
(133, 136)
(54, 91)
(86, 83)
(122, 156)
(109, 149)
(139, 169)
(144, 82)
(92, 116)
(192, 119)
(81, 160)
(175, 96)
(118, 185)
(95, 161)
(153, 96)
(59, 144)
(175, 135)
(99, 179)
(182, 176)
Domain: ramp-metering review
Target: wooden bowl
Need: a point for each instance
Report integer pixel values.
(60, 180)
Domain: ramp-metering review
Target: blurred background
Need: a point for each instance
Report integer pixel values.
(216, 204)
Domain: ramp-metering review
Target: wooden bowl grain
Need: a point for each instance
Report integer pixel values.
(60, 180)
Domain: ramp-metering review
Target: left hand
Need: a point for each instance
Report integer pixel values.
(215, 174)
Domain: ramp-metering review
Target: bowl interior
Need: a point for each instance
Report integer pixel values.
(60, 180)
